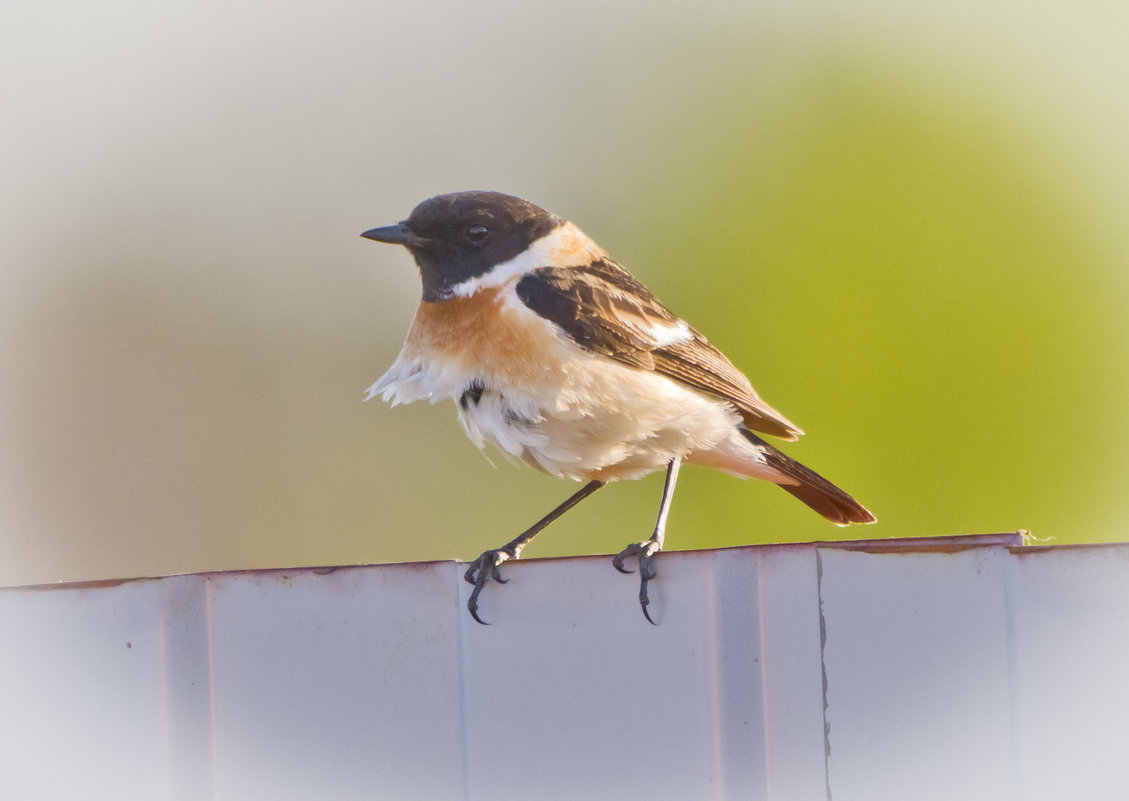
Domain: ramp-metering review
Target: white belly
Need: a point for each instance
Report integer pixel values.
(604, 421)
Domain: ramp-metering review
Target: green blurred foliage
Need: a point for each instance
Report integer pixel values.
(902, 279)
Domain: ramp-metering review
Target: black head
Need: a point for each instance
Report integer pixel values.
(465, 234)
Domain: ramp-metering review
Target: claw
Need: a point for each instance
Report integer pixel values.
(472, 605)
(486, 566)
(481, 570)
(647, 572)
(473, 570)
(645, 551)
(617, 560)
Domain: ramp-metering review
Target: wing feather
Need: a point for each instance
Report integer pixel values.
(605, 310)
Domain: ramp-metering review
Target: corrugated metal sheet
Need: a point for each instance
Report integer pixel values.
(967, 668)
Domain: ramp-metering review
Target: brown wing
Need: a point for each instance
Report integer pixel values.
(605, 310)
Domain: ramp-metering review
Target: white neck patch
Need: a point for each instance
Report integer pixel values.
(564, 246)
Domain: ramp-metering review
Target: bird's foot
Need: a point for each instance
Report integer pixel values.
(645, 551)
(480, 571)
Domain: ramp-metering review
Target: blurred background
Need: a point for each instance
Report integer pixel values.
(905, 222)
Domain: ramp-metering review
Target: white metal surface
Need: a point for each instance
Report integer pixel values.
(964, 668)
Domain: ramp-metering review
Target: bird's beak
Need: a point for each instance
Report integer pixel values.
(398, 234)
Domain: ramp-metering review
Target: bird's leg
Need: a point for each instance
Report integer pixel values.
(647, 549)
(488, 565)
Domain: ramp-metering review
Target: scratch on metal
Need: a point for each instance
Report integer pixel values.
(823, 670)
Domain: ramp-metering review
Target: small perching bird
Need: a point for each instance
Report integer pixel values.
(555, 354)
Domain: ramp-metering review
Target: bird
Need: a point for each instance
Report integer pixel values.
(556, 355)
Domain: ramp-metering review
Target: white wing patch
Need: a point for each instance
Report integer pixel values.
(665, 335)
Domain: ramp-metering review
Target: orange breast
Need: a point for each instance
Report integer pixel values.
(484, 334)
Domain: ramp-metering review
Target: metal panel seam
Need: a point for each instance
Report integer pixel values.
(460, 660)
(1012, 582)
(712, 653)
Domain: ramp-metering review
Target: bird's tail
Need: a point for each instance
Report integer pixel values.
(812, 488)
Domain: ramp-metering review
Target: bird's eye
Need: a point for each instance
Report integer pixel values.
(477, 234)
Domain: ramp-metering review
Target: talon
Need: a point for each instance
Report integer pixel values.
(486, 567)
(472, 605)
(635, 549)
(645, 551)
(647, 572)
